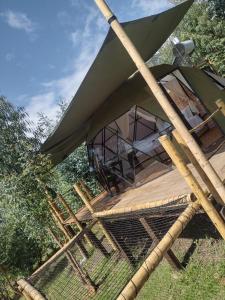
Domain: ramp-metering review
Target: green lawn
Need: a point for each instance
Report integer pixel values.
(203, 278)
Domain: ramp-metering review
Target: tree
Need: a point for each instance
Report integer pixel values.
(24, 213)
(205, 25)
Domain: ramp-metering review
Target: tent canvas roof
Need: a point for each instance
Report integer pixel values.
(111, 67)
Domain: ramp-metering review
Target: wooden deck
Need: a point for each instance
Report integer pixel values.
(169, 185)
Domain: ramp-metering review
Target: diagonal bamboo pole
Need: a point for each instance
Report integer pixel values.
(72, 215)
(141, 276)
(195, 163)
(182, 199)
(221, 105)
(29, 290)
(84, 277)
(169, 255)
(193, 184)
(161, 98)
(85, 198)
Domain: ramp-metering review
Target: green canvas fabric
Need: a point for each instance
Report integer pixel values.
(111, 67)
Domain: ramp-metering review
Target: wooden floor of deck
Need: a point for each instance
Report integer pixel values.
(166, 186)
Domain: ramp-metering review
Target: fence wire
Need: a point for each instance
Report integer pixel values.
(104, 272)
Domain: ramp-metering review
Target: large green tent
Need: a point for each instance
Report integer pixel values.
(110, 69)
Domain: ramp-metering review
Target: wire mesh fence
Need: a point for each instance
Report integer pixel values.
(103, 272)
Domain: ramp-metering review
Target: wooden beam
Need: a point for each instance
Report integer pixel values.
(169, 255)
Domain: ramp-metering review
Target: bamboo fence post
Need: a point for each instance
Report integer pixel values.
(29, 290)
(91, 209)
(161, 97)
(72, 214)
(141, 276)
(169, 255)
(195, 163)
(85, 279)
(60, 226)
(221, 105)
(193, 184)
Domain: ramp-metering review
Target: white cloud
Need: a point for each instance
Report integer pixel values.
(88, 40)
(18, 20)
(151, 6)
(42, 103)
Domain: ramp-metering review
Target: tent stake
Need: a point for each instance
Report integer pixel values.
(193, 184)
(162, 99)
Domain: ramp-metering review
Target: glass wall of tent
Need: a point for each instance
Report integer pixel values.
(192, 110)
(127, 151)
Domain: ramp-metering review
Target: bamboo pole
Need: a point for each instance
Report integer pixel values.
(193, 184)
(221, 105)
(33, 293)
(195, 163)
(63, 249)
(86, 200)
(85, 279)
(72, 215)
(169, 255)
(141, 276)
(60, 225)
(161, 97)
(136, 208)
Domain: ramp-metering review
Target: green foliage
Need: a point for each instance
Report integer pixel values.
(23, 208)
(205, 23)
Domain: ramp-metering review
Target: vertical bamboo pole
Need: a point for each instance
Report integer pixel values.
(169, 255)
(195, 163)
(29, 290)
(91, 209)
(141, 276)
(221, 105)
(72, 214)
(193, 184)
(85, 279)
(162, 99)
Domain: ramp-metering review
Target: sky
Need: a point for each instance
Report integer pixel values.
(47, 46)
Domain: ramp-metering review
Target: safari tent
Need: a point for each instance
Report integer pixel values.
(119, 118)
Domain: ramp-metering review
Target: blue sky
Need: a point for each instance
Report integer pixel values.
(47, 46)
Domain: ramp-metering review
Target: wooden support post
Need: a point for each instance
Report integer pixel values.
(60, 226)
(198, 168)
(193, 184)
(97, 243)
(86, 200)
(72, 215)
(135, 284)
(161, 98)
(125, 251)
(82, 249)
(85, 279)
(169, 255)
(221, 105)
(29, 290)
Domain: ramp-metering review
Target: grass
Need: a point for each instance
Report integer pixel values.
(203, 278)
